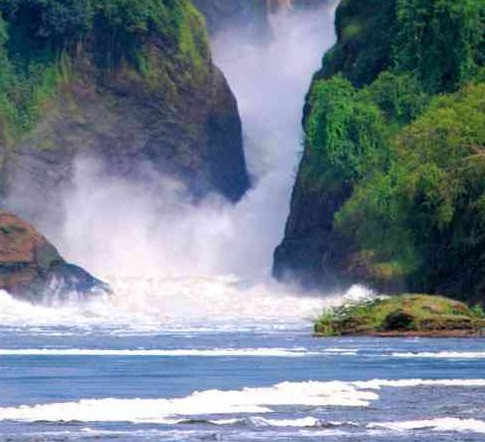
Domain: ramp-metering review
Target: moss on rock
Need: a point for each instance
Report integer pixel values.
(403, 315)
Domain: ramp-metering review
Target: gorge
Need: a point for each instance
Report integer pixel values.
(159, 144)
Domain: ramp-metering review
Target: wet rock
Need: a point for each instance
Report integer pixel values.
(31, 267)
(398, 320)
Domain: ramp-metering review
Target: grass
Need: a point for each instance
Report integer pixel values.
(405, 313)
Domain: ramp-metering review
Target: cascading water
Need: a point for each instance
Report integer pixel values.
(172, 263)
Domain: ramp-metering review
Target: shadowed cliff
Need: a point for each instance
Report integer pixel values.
(132, 85)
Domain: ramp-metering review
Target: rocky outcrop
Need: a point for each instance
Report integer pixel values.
(366, 33)
(144, 103)
(405, 315)
(31, 268)
(311, 249)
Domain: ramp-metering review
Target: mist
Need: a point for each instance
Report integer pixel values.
(115, 227)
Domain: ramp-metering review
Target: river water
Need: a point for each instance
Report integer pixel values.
(197, 343)
(105, 371)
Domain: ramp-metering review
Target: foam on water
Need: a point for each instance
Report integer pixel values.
(442, 355)
(289, 352)
(259, 421)
(216, 352)
(144, 305)
(247, 401)
(377, 384)
(441, 424)
(210, 402)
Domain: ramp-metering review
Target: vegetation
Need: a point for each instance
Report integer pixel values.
(406, 314)
(441, 41)
(345, 133)
(407, 135)
(40, 41)
(366, 32)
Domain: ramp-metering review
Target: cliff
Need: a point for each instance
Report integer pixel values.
(389, 188)
(131, 84)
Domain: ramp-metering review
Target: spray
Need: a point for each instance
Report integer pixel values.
(153, 229)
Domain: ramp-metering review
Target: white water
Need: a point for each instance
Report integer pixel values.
(216, 352)
(244, 402)
(443, 424)
(442, 355)
(271, 352)
(145, 305)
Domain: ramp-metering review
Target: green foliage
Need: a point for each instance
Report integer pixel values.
(400, 97)
(345, 132)
(3, 33)
(406, 161)
(405, 313)
(366, 32)
(427, 208)
(478, 312)
(123, 27)
(439, 40)
(53, 22)
(162, 41)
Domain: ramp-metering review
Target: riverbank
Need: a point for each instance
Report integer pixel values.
(403, 316)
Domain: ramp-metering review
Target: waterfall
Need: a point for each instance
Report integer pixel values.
(175, 264)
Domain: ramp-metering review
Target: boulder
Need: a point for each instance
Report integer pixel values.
(31, 267)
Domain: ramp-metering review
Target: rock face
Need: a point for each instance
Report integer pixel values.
(311, 249)
(143, 99)
(313, 252)
(31, 267)
(133, 131)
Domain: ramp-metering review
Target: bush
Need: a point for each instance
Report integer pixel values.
(54, 22)
(345, 132)
(160, 41)
(439, 40)
(428, 208)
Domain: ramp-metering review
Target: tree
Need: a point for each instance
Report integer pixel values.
(439, 40)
